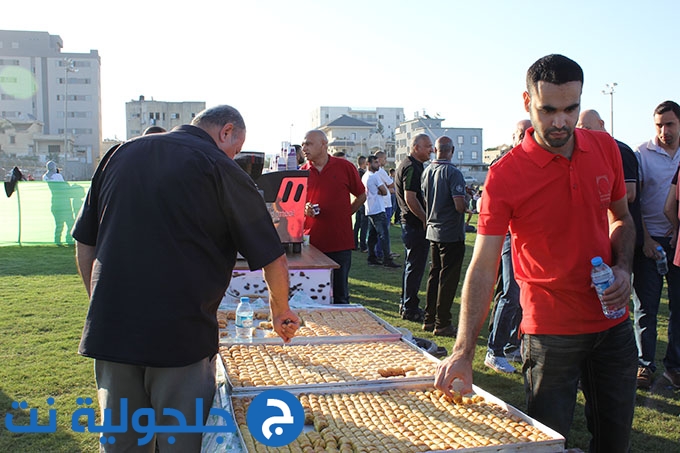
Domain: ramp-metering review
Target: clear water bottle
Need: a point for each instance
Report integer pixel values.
(603, 277)
(661, 263)
(244, 320)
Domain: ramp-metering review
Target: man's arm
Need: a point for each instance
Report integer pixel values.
(459, 202)
(631, 192)
(358, 201)
(411, 199)
(475, 300)
(622, 238)
(382, 190)
(670, 209)
(84, 261)
(284, 321)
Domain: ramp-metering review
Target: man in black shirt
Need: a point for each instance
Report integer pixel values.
(413, 222)
(157, 240)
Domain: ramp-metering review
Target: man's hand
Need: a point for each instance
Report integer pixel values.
(649, 248)
(285, 324)
(617, 295)
(455, 366)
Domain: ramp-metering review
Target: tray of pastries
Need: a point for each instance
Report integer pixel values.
(267, 366)
(343, 324)
(397, 418)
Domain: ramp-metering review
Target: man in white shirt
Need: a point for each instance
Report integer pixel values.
(375, 211)
(387, 201)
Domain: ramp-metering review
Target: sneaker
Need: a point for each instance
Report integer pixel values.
(448, 331)
(374, 262)
(364, 250)
(499, 364)
(644, 377)
(673, 376)
(428, 327)
(514, 356)
(394, 255)
(392, 264)
(415, 316)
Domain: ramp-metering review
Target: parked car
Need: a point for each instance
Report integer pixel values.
(470, 179)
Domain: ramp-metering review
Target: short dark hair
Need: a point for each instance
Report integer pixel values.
(219, 116)
(372, 159)
(555, 69)
(361, 159)
(668, 106)
(153, 130)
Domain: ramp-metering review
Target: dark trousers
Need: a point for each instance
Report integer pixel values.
(341, 275)
(504, 333)
(648, 284)
(442, 283)
(360, 228)
(378, 235)
(379, 249)
(606, 363)
(416, 248)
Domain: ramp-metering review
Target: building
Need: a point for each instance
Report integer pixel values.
(141, 114)
(468, 155)
(60, 92)
(359, 131)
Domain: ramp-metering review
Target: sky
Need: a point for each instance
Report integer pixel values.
(276, 61)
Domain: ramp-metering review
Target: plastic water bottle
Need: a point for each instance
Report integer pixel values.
(244, 320)
(603, 277)
(661, 263)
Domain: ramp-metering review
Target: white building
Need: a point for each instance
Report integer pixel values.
(143, 113)
(61, 91)
(468, 155)
(359, 131)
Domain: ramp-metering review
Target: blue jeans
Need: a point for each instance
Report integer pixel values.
(341, 275)
(379, 247)
(607, 366)
(360, 228)
(378, 233)
(416, 248)
(647, 285)
(442, 283)
(504, 334)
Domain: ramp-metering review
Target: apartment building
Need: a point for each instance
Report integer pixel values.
(359, 131)
(468, 155)
(58, 94)
(144, 113)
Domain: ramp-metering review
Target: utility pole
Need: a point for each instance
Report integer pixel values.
(609, 89)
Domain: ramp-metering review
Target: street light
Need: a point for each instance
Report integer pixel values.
(609, 89)
(70, 66)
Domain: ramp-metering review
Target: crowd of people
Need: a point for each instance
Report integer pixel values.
(566, 192)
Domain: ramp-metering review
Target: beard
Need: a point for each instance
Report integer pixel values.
(556, 142)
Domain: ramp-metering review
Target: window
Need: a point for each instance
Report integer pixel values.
(461, 139)
(174, 116)
(381, 117)
(473, 155)
(474, 140)
(12, 139)
(460, 155)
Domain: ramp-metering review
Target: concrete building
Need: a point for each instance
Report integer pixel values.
(359, 131)
(143, 113)
(61, 92)
(468, 156)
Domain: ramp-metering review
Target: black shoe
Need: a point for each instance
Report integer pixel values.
(416, 316)
(391, 264)
(448, 331)
(374, 262)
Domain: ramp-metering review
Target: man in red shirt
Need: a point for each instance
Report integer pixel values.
(331, 181)
(562, 193)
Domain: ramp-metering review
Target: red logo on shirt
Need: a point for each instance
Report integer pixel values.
(605, 190)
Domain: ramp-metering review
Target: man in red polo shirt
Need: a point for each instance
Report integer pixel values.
(331, 181)
(562, 193)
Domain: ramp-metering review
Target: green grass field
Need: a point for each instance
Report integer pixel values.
(43, 305)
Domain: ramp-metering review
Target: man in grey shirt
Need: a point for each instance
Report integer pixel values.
(444, 193)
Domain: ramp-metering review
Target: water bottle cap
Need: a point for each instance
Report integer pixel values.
(659, 248)
(245, 299)
(596, 261)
